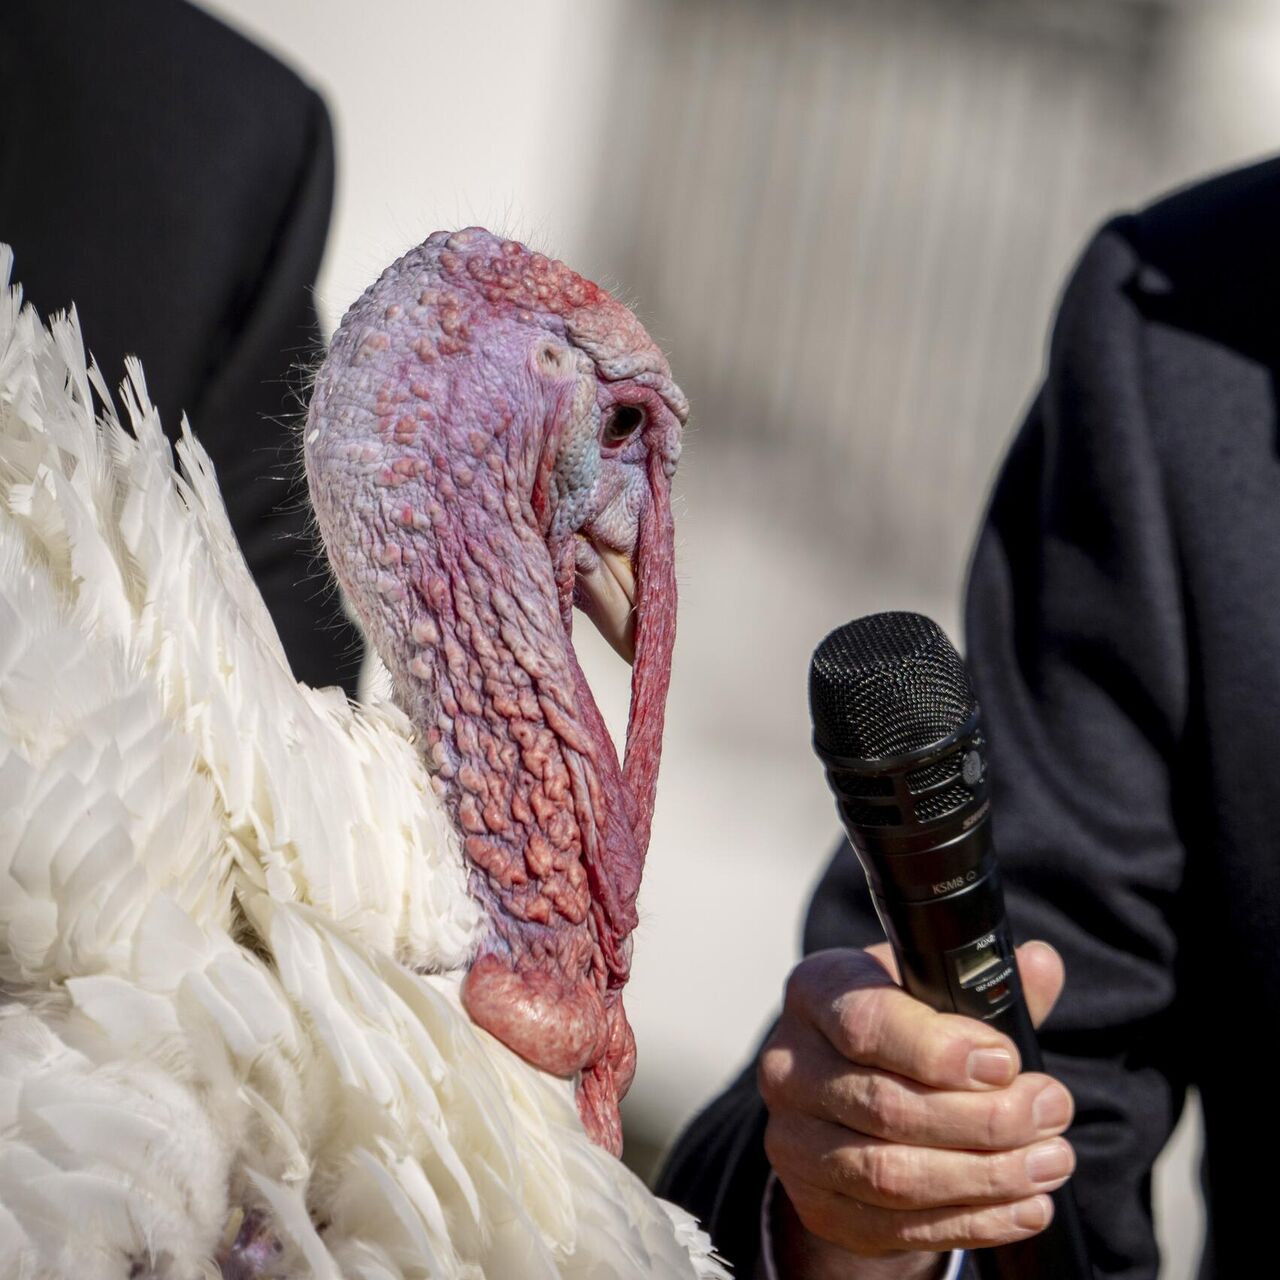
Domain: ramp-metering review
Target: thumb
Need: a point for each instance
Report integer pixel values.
(1043, 976)
(1039, 966)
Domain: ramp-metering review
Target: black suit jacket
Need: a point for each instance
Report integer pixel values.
(1123, 635)
(175, 182)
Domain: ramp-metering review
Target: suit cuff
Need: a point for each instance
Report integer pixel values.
(769, 1270)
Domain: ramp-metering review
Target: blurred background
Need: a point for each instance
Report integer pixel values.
(848, 224)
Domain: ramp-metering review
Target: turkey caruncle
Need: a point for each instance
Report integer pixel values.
(296, 987)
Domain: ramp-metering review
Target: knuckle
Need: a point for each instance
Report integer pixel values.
(887, 1170)
(809, 1206)
(780, 1148)
(795, 988)
(840, 1221)
(944, 1055)
(863, 1018)
(887, 1105)
(817, 1212)
(924, 1233)
(988, 1227)
(774, 1150)
(1004, 1120)
(774, 1073)
(805, 981)
(1003, 1176)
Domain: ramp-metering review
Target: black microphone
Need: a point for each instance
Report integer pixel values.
(896, 726)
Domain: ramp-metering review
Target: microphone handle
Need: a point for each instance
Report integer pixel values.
(956, 955)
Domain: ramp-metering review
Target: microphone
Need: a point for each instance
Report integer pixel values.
(897, 729)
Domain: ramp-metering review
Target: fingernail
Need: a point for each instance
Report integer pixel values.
(1049, 1162)
(991, 1066)
(1032, 1213)
(1051, 1109)
(1048, 946)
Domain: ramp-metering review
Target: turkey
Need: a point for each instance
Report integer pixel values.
(296, 987)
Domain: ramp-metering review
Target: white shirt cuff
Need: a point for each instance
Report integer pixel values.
(766, 1238)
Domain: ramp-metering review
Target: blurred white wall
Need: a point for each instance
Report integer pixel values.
(447, 114)
(847, 222)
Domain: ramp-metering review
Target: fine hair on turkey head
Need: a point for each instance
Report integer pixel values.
(491, 440)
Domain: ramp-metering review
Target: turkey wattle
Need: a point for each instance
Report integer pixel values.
(242, 922)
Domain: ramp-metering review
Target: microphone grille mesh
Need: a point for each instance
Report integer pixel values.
(886, 685)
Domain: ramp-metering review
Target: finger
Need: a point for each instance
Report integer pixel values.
(883, 952)
(893, 1175)
(849, 996)
(1039, 965)
(801, 1072)
(871, 1231)
(1043, 975)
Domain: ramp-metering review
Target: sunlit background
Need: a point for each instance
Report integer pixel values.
(847, 223)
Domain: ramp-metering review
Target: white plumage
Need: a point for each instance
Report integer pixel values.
(218, 892)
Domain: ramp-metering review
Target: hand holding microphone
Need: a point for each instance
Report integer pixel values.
(887, 1131)
(899, 1121)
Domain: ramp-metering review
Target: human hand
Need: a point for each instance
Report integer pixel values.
(897, 1131)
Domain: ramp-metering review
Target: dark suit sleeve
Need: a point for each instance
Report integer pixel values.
(251, 402)
(1076, 646)
(174, 181)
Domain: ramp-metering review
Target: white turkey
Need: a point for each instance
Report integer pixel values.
(294, 987)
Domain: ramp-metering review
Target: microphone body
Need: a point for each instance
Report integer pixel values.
(898, 732)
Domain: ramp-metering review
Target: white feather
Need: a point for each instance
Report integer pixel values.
(232, 915)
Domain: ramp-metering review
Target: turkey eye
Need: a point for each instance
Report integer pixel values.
(623, 422)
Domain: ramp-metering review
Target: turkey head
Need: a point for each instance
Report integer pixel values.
(491, 440)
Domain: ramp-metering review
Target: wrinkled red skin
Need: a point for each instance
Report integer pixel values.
(453, 453)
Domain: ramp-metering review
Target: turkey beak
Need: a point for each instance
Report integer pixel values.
(607, 595)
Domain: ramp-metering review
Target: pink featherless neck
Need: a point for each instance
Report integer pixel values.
(464, 461)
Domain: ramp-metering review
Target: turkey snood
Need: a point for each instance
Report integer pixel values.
(491, 438)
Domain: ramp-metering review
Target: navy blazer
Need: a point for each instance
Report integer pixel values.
(1123, 636)
(175, 183)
